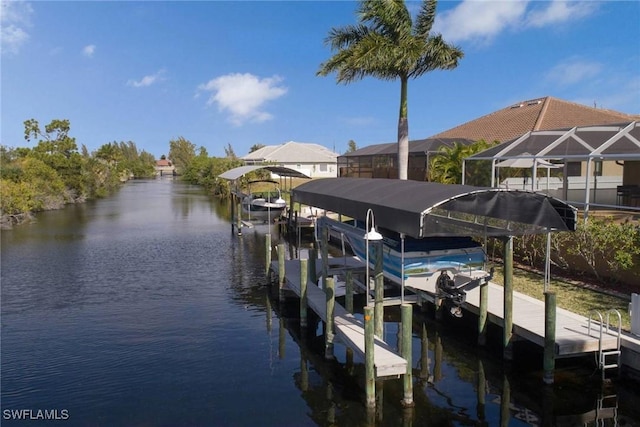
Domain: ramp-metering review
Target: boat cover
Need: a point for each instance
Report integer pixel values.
(422, 209)
(233, 174)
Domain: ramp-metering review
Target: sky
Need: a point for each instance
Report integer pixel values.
(241, 73)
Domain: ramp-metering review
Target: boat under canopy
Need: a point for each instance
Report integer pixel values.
(425, 209)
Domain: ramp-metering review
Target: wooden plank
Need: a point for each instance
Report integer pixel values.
(348, 328)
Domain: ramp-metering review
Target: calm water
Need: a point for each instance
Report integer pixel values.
(145, 310)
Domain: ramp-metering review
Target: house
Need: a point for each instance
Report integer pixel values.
(165, 167)
(313, 160)
(506, 124)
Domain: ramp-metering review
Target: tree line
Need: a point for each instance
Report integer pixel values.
(55, 172)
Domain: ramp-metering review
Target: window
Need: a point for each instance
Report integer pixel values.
(323, 167)
(574, 168)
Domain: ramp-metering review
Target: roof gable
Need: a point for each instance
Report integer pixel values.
(293, 152)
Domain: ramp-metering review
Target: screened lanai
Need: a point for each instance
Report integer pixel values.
(381, 160)
(590, 166)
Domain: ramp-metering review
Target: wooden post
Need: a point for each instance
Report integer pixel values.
(325, 256)
(331, 302)
(407, 323)
(233, 212)
(370, 369)
(281, 276)
(303, 292)
(549, 337)
(348, 297)
(267, 261)
(482, 315)
(508, 299)
(349, 360)
(313, 256)
(379, 295)
(439, 306)
(238, 216)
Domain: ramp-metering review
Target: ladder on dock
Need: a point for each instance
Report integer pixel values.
(605, 355)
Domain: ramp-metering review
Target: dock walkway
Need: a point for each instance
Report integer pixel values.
(348, 329)
(572, 335)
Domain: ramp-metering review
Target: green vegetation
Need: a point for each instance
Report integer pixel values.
(204, 170)
(601, 250)
(446, 166)
(387, 44)
(577, 299)
(54, 172)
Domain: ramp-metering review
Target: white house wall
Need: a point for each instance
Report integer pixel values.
(314, 170)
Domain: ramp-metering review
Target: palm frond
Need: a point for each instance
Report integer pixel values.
(425, 18)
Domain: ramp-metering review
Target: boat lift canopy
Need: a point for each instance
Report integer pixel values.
(233, 174)
(423, 209)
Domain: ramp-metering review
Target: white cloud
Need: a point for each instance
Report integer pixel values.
(573, 71)
(483, 20)
(243, 95)
(148, 80)
(559, 11)
(15, 18)
(89, 50)
(479, 20)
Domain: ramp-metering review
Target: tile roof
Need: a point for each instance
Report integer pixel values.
(531, 115)
(292, 152)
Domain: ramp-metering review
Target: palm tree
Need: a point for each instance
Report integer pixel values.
(389, 45)
(446, 166)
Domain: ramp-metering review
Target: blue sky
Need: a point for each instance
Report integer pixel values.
(243, 73)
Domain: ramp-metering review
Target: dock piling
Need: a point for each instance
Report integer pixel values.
(549, 337)
(370, 369)
(348, 297)
(313, 256)
(379, 291)
(303, 292)
(482, 315)
(508, 299)
(407, 323)
(238, 218)
(281, 275)
(267, 262)
(331, 301)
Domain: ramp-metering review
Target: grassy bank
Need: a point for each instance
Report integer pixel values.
(570, 296)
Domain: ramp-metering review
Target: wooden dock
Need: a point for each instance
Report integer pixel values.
(572, 335)
(348, 329)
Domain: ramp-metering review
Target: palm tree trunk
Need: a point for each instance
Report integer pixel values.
(403, 131)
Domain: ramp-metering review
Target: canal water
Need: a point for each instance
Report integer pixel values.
(144, 309)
